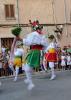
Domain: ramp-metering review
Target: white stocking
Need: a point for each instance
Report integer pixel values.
(12, 68)
(52, 71)
(17, 71)
(28, 71)
(45, 65)
(51, 65)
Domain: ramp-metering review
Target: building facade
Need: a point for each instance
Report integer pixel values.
(49, 13)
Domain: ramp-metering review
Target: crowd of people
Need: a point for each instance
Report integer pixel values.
(63, 63)
(4, 63)
(39, 57)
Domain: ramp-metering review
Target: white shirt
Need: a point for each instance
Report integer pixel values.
(68, 60)
(51, 45)
(63, 61)
(19, 52)
(35, 38)
(3, 50)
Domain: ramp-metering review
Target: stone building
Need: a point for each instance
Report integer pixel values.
(48, 12)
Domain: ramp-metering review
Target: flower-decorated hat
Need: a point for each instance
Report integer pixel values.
(35, 25)
(16, 31)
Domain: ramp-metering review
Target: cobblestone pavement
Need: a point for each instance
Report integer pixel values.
(58, 89)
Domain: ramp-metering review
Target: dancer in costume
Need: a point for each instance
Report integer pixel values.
(16, 53)
(17, 58)
(51, 56)
(36, 41)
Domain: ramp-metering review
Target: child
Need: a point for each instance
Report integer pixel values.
(18, 54)
(63, 60)
(68, 57)
(0, 65)
(16, 60)
(51, 55)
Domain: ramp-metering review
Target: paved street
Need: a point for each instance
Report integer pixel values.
(59, 89)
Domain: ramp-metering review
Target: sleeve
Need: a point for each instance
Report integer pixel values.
(46, 50)
(28, 40)
(44, 41)
(32, 38)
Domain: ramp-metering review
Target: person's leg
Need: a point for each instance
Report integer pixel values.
(12, 68)
(51, 65)
(0, 72)
(20, 70)
(16, 73)
(0, 83)
(10, 71)
(45, 64)
(28, 72)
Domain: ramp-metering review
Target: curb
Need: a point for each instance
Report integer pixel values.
(34, 74)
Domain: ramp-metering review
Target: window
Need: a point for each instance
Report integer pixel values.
(9, 11)
(7, 42)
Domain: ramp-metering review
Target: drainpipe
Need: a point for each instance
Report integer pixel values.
(18, 13)
(54, 16)
(65, 17)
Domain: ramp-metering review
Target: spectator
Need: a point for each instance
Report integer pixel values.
(63, 63)
(68, 57)
(3, 49)
(1, 64)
